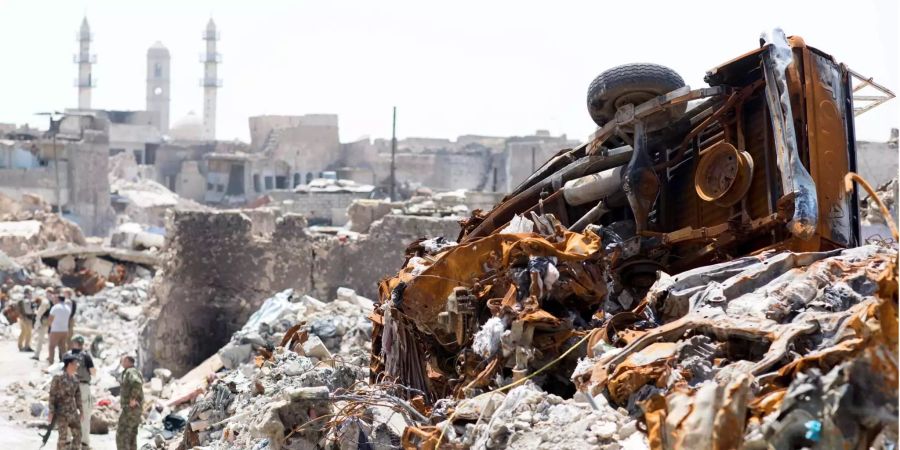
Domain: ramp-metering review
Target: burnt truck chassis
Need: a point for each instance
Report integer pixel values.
(756, 166)
(812, 208)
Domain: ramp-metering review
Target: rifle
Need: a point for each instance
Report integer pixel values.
(46, 436)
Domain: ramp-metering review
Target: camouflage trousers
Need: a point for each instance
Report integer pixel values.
(127, 429)
(69, 429)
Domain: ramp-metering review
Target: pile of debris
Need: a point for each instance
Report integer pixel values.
(280, 371)
(137, 198)
(874, 223)
(718, 356)
(28, 225)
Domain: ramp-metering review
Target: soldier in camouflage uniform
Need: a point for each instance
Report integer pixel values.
(65, 406)
(131, 397)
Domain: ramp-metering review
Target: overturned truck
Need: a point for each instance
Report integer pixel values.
(694, 262)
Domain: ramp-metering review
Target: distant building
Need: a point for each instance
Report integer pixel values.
(70, 172)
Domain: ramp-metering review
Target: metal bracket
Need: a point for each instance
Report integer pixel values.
(868, 101)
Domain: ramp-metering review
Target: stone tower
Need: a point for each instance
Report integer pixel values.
(85, 60)
(210, 82)
(158, 97)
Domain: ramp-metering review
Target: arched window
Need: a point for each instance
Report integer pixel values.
(157, 70)
(309, 177)
(296, 179)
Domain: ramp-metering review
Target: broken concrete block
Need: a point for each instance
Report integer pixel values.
(312, 304)
(130, 312)
(313, 347)
(200, 425)
(156, 386)
(162, 373)
(99, 265)
(37, 409)
(66, 264)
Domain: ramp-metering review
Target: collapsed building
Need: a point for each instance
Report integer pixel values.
(65, 166)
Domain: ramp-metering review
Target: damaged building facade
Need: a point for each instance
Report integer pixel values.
(66, 166)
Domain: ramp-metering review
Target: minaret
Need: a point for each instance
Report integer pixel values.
(84, 59)
(158, 98)
(210, 81)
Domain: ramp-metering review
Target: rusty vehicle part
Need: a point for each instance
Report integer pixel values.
(711, 265)
(723, 174)
(863, 103)
(632, 84)
(526, 280)
(755, 104)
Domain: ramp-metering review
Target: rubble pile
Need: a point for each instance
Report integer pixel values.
(870, 213)
(719, 356)
(28, 225)
(282, 370)
(137, 198)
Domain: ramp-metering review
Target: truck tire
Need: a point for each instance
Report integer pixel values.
(635, 84)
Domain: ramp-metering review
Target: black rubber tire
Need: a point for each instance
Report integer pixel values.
(629, 83)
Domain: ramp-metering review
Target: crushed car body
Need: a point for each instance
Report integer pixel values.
(697, 262)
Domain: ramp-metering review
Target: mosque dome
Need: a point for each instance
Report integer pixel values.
(187, 128)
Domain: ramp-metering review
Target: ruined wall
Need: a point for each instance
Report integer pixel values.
(877, 161)
(39, 181)
(89, 198)
(220, 268)
(317, 206)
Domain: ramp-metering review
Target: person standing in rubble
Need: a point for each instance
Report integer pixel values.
(85, 371)
(59, 326)
(69, 297)
(25, 309)
(65, 406)
(131, 399)
(41, 324)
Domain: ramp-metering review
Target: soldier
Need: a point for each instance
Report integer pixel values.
(65, 406)
(25, 308)
(41, 324)
(69, 297)
(84, 373)
(131, 398)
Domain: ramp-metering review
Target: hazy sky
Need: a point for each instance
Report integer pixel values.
(451, 68)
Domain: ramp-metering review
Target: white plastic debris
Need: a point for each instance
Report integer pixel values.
(487, 339)
(518, 224)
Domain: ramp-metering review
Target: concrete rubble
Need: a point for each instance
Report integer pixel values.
(280, 370)
(28, 225)
(138, 198)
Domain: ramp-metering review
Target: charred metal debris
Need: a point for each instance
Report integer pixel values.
(696, 262)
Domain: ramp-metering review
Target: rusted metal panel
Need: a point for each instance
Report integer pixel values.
(827, 137)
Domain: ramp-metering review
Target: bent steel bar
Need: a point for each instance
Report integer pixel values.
(794, 177)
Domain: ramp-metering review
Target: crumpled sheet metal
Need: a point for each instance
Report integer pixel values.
(776, 322)
(509, 275)
(427, 288)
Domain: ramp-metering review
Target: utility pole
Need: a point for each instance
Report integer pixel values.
(54, 130)
(56, 169)
(533, 150)
(394, 156)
